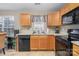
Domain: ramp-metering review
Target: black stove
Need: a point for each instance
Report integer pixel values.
(73, 34)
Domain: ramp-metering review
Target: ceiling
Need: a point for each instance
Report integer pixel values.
(43, 8)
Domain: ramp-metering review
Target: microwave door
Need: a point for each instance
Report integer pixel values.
(67, 20)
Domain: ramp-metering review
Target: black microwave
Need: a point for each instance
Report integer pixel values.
(76, 16)
(71, 17)
(68, 18)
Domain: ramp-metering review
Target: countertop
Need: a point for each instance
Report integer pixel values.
(2, 33)
(56, 34)
(75, 42)
(62, 37)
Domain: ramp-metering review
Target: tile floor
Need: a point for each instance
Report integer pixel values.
(28, 53)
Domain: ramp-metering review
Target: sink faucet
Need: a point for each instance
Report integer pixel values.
(34, 32)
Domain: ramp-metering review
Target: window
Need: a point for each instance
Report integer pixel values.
(39, 24)
(7, 24)
(1, 23)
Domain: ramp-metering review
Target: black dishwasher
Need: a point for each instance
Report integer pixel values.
(24, 42)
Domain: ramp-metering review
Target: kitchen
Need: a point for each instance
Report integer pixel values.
(43, 27)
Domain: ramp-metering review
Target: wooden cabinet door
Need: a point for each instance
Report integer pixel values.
(75, 50)
(2, 41)
(57, 20)
(51, 40)
(64, 10)
(54, 19)
(34, 43)
(43, 43)
(68, 7)
(50, 19)
(25, 20)
(72, 6)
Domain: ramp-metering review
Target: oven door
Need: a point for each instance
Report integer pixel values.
(62, 49)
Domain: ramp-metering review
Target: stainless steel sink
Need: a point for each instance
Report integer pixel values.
(38, 32)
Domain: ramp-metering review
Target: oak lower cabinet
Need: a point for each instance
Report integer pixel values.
(42, 42)
(51, 40)
(75, 50)
(34, 42)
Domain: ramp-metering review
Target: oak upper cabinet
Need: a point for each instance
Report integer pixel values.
(68, 7)
(57, 20)
(54, 19)
(64, 10)
(50, 19)
(25, 19)
(43, 41)
(51, 40)
(72, 6)
(34, 42)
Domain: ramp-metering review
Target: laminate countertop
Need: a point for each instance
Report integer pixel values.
(56, 34)
(2, 33)
(75, 42)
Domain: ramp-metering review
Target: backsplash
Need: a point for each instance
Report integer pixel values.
(66, 27)
(63, 29)
(26, 30)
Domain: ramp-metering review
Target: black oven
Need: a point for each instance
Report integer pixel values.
(73, 34)
(63, 46)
